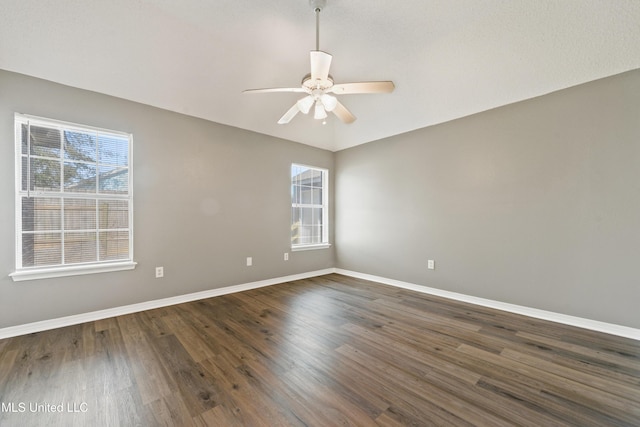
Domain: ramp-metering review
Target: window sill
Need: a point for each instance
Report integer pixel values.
(310, 247)
(72, 270)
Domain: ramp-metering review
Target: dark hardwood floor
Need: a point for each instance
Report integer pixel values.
(326, 351)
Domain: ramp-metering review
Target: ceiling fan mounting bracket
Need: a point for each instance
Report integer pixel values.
(317, 5)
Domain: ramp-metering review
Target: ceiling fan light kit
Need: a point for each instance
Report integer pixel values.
(319, 85)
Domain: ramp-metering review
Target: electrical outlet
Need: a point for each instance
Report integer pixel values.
(249, 261)
(286, 256)
(431, 264)
(159, 272)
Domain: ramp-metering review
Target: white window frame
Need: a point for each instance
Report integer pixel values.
(62, 270)
(324, 205)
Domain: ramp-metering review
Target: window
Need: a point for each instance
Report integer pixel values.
(309, 207)
(73, 199)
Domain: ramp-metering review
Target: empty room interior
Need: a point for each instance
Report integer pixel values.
(319, 212)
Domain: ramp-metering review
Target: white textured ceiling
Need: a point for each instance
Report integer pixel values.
(448, 58)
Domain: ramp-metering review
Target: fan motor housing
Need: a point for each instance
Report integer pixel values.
(311, 84)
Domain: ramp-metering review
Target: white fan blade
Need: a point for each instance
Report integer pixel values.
(362, 87)
(320, 64)
(277, 89)
(290, 114)
(305, 104)
(343, 114)
(329, 102)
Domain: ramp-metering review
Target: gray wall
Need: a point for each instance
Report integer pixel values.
(536, 203)
(206, 196)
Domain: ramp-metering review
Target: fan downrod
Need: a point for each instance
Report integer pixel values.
(317, 6)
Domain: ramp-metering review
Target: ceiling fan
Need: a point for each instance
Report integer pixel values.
(319, 85)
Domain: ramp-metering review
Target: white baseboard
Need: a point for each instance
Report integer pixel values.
(609, 328)
(594, 325)
(61, 322)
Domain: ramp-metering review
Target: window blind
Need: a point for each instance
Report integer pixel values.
(309, 212)
(74, 204)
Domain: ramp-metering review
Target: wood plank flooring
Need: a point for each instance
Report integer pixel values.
(326, 351)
